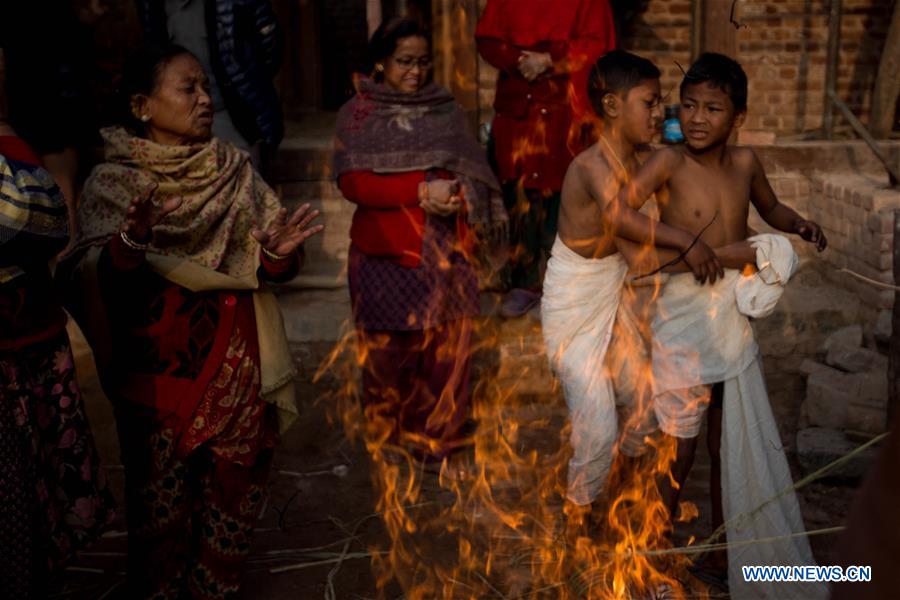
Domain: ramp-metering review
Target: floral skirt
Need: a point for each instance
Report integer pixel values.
(52, 493)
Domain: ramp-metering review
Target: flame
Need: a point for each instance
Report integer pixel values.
(493, 521)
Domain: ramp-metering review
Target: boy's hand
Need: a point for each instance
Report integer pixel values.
(704, 263)
(811, 232)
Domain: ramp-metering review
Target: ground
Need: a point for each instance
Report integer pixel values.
(309, 519)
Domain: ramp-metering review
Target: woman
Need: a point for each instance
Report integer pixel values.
(53, 496)
(189, 349)
(405, 157)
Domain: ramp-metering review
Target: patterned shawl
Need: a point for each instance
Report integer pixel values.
(223, 200)
(203, 245)
(385, 131)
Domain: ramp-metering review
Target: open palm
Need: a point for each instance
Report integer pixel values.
(284, 235)
(144, 214)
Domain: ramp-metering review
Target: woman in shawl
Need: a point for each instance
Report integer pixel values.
(177, 231)
(405, 157)
(52, 493)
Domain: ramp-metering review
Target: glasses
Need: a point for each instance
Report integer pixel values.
(408, 63)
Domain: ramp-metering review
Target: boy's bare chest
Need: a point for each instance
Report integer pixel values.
(699, 193)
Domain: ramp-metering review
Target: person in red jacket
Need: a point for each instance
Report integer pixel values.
(543, 50)
(422, 186)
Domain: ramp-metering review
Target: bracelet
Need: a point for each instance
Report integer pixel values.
(272, 255)
(133, 244)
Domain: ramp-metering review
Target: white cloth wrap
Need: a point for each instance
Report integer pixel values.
(777, 262)
(700, 338)
(578, 309)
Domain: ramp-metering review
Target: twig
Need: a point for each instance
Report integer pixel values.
(330, 594)
(111, 590)
(111, 535)
(681, 255)
(85, 570)
(282, 512)
(319, 563)
(306, 550)
(881, 284)
(491, 587)
(337, 471)
(688, 550)
(796, 486)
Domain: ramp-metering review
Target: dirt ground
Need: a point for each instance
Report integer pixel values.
(309, 519)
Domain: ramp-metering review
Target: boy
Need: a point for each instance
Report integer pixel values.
(585, 273)
(703, 348)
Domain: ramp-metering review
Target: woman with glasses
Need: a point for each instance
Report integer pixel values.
(423, 189)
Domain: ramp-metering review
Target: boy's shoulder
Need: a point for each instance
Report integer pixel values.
(673, 153)
(591, 159)
(744, 157)
(663, 159)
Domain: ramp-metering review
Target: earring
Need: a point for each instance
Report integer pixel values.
(379, 67)
(145, 118)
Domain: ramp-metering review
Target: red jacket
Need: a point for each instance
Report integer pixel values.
(537, 126)
(388, 221)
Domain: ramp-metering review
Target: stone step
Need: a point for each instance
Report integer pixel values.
(509, 352)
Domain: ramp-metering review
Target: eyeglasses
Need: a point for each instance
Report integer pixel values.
(408, 62)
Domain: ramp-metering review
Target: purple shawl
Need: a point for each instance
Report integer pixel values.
(385, 131)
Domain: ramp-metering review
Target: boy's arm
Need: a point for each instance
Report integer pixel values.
(647, 259)
(620, 213)
(781, 217)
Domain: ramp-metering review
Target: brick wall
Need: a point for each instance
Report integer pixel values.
(783, 49)
(858, 218)
(782, 45)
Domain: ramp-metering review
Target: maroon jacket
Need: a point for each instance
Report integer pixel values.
(537, 127)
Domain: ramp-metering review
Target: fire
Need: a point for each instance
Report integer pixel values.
(492, 522)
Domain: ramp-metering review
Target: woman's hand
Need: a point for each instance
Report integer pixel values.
(534, 64)
(283, 235)
(143, 215)
(441, 197)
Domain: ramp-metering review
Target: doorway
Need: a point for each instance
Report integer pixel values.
(325, 44)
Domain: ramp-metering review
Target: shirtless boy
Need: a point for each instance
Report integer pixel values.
(585, 272)
(706, 187)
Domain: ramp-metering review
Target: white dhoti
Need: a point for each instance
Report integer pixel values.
(701, 338)
(578, 308)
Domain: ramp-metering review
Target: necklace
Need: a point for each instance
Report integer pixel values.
(614, 154)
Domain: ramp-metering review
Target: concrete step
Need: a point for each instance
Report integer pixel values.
(509, 352)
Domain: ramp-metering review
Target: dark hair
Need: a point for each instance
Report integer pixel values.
(384, 40)
(616, 73)
(721, 72)
(140, 75)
